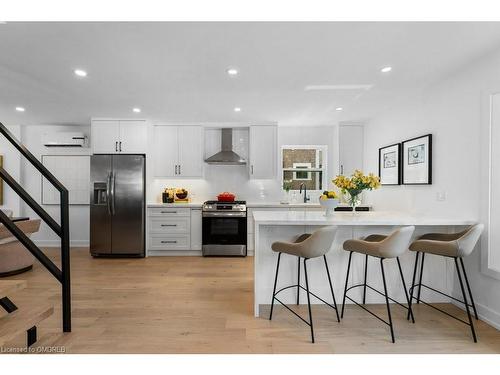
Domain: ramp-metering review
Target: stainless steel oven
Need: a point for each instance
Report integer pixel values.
(224, 228)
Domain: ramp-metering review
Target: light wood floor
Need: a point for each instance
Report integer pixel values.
(204, 305)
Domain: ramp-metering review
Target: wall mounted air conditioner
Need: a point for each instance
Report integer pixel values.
(64, 139)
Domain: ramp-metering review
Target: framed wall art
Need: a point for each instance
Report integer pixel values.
(417, 160)
(389, 164)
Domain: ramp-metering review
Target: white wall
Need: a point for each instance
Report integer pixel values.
(12, 164)
(218, 178)
(451, 111)
(31, 180)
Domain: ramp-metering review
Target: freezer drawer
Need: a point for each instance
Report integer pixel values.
(171, 242)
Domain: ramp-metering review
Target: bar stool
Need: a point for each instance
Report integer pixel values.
(382, 247)
(306, 246)
(456, 246)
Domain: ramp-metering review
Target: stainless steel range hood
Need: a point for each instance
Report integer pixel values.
(226, 156)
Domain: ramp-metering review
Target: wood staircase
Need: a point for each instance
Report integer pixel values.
(19, 321)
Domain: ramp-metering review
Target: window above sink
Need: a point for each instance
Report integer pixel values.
(304, 164)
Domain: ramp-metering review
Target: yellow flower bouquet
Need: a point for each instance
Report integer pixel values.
(355, 185)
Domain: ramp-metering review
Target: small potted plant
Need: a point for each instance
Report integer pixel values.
(287, 185)
(329, 200)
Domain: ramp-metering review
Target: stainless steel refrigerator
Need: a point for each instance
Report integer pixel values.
(117, 205)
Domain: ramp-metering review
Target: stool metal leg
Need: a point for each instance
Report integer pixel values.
(308, 301)
(420, 282)
(386, 298)
(468, 289)
(366, 272)
(465, 301)
(275, 282)
(331, 288)
(298, 280)
(346, 281)
(406, 291)
(413, 284)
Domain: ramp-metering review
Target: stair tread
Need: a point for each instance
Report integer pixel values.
(21, 320)
(11, 286)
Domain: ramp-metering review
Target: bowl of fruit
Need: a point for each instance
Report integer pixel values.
(181, 194)
(329, 200)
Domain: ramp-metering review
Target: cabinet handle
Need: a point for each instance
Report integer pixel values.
(341, 169)
(120, 146)
(168, 241)
(176, 169)
(116, 146)
(168, 212)
(252, 169)
(179, 169)
(169, 225)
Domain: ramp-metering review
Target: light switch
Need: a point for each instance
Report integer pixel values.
(441, 196)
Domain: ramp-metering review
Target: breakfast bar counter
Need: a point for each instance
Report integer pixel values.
(271, 226)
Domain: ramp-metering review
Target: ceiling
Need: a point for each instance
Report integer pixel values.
(176, 72)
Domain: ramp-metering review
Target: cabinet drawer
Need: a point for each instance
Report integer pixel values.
(169, 211)
(174, 242)
(170, 225)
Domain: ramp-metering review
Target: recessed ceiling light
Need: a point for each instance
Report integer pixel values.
(237, 109)
(232, 71)
(339, 109)
(137, 110)
(80, 73)
(386, 69)
(20, 109)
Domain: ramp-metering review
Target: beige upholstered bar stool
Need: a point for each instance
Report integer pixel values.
(382, 247)
(306, 246)
(456, 246)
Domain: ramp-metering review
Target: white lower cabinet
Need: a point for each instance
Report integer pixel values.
(173, 229)
(196, 229)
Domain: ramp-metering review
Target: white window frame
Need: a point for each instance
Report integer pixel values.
(324, 168)
(299, 166)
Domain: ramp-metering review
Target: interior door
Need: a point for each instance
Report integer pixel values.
(133, 137)
(190, 143)
(105, 136)
(128, 204)
(165, 151)
(100, 210)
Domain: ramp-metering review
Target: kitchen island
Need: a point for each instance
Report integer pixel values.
(271, 226)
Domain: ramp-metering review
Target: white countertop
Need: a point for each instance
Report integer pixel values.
(197, 204)
(347, 218)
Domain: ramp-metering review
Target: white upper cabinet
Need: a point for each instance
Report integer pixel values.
(119, 136)
(165, 151)
(263, 150)
(190, 140)
(133, 137)
(350, 148)
(178, 151)
(105, 136)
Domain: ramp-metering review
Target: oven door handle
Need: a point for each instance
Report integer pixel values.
(224, 214)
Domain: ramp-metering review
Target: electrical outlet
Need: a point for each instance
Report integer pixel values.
(441, 196)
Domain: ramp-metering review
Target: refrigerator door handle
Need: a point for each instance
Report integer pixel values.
(113, 179)
(108, 192)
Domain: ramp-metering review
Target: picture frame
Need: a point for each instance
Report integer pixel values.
(417, 160)
(389, 164)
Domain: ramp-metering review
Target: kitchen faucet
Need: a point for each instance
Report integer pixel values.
(306, 198)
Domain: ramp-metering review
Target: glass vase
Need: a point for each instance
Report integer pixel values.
(354, 200)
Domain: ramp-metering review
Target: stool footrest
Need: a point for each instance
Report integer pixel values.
(368, 311)
(438, 291)
(311, 293)
(293, 312)
(379, 292)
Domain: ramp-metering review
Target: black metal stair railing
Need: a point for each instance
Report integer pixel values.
(62, 229)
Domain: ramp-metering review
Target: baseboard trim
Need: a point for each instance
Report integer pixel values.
(56, 243)
(485, 314)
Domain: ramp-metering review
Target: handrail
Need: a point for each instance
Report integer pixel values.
(62, 229)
